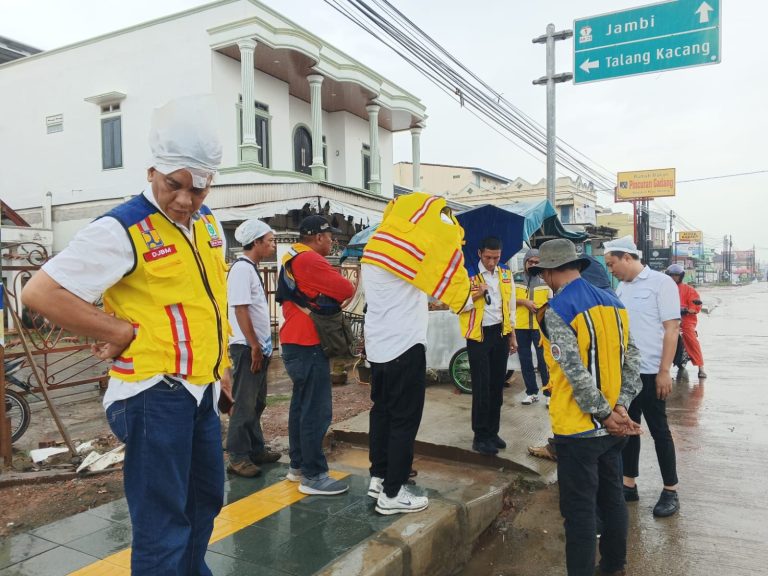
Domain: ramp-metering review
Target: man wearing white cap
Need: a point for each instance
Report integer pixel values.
(653, 303)
(250, 348)
(158, 261)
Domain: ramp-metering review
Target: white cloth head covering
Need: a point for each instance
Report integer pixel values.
(623, 244)
(184, 136)
(251, 230)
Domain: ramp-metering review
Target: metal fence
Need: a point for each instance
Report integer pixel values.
(64, 360)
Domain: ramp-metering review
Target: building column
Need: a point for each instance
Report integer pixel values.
(416, 156)
(373, 122)
(316, 100)
(249, 149)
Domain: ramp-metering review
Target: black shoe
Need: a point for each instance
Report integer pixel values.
(484, 447)
(630, 494)
(499, 443)
(667, 505)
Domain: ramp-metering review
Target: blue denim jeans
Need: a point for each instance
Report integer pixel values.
(310, 412)
(173, 475)
(526, 339)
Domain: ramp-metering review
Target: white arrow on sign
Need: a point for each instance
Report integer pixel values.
(587, 65)
(703, 12)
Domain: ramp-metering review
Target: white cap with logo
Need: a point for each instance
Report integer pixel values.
(184, 136)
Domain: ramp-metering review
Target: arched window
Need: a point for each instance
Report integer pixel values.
(302, 150)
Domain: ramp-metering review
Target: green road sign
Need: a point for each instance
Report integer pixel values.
(652, 38)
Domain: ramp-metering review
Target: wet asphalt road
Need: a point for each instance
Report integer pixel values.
(720, 431)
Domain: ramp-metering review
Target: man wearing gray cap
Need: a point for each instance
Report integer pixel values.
(158, 260)
(250, 348)
(593, 366)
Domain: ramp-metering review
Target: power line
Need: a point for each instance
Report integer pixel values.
(426, 55)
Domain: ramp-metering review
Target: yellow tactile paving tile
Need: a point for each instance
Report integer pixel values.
(232, 518)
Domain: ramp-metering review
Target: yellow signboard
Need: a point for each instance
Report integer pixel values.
(645, 184)
(690, 236)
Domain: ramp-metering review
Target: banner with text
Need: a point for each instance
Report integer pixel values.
(643, 184)
(690, 236)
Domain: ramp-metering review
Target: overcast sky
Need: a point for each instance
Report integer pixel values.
(706, 121)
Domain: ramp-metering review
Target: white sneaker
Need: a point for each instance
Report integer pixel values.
(293, 475)
(375, 487)
(530, 399)
(403, 503)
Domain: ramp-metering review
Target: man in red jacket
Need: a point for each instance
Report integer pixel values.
(690, 306)
(306, 281)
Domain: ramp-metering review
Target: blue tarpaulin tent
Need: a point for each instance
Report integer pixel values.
(357, 243)
(488, 220)
(541, 220)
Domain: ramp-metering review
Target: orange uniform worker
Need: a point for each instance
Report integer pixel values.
(690, 306)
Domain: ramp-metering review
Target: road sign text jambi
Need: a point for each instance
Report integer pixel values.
(653, 38)
(632, 26)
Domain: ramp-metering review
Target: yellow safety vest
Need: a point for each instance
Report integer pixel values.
(471, 321)
(601, 325)
(415, 244)
(524, 318)
(175, 296)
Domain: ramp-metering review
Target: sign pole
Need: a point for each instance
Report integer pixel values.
(550, 80)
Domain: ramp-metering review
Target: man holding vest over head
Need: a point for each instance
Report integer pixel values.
(308, 282)
(487, 324)
(594, 375)
(414, 254)
(158, 260)
(531, 295)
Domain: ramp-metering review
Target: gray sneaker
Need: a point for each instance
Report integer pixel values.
(293, 475)
(325, 486)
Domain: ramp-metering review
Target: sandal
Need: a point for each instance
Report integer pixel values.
(545, 452)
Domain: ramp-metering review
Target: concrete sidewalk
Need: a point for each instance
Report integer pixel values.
(268, 527)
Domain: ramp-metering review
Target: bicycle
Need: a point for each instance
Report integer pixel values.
(461, 377)
(16, 406)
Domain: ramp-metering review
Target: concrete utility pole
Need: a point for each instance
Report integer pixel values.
(672, 231)
(550, 80)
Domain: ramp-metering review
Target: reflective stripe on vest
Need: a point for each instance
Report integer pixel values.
(176, 297)
(415, 244)
(471, 321)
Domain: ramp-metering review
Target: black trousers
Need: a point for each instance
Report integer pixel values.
(397, 392)
(589, 477)
(488, 367)
(655, 412)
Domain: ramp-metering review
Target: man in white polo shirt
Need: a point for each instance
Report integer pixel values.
(250, 348)
(653, 303)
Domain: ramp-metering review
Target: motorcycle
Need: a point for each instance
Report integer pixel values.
(16, 406)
